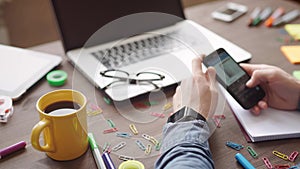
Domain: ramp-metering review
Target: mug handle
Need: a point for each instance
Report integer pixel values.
(35, 137)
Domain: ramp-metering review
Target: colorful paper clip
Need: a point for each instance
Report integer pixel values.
(157, 146)
(123, 134)
(107, 100)
(217, 122)
(280, 155)
(133, 129)
(148, 149)
(151, 103)
(140, 105)
(282, 166)
(141, 145)
(125, 158)
(234, 145)
(219, 116)
(106, 147)
(167, 106)
(293, 156)
(145, 136)
(119, 146)
(111, 123)
(153, 140)
(267, 163)
(110, 130)
(160, 115)
(252, 152)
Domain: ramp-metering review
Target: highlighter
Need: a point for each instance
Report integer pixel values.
(243, 161)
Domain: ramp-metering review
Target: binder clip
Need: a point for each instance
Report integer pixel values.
(6, 108)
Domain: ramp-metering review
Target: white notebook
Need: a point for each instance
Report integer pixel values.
(271, 124)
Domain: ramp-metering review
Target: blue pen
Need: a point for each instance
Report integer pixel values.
(243, 161)
(108, 162)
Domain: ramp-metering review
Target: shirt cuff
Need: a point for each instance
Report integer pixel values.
(196, 131)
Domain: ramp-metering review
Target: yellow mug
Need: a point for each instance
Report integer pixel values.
(63, 122)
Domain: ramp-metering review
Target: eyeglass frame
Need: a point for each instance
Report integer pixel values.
(130, 80)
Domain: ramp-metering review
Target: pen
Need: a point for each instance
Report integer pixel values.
(254, 15)
(276, 14)
(263, 16)
(13, 148)
(287, 17)
(96, 152)
(108, 162)
(243, 161)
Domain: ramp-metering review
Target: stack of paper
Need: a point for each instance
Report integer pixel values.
(271, 124)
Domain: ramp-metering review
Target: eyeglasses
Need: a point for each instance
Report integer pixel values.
(138, 79)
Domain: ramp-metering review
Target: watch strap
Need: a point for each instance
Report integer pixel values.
(185, 111)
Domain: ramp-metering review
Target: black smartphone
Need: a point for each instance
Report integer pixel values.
(233, 78)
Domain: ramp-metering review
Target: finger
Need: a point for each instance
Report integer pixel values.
(255, 110)
(262, 105)
(259, 76)
(197, 66)
(211, 74)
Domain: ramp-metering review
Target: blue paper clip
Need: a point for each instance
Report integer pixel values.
(123, 134)
(141, 145)
(234, 145)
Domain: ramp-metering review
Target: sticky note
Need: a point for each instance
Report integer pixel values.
(293, 30)
(292, 53)
(296, 74)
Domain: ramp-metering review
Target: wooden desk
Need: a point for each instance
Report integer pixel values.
(260, 41)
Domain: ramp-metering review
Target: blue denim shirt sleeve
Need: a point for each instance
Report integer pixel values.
(185, 145)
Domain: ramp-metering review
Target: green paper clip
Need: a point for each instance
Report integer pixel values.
(111, 123)
(107, 100)
(252, 152)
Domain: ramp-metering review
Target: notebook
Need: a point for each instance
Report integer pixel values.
(134, 36)
(271, 124)
(22, 68)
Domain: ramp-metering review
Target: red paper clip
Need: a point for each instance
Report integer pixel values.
(282, 166)
(110, 130)
(220, 116)
(267, 162)
(217, 122)
(293, 156)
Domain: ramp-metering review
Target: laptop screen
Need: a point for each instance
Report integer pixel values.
(79, 19)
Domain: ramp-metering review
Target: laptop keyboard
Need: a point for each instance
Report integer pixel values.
(129, 53)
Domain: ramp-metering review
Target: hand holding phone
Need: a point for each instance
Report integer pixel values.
(233, 78)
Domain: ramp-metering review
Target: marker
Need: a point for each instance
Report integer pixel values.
(96, 152)
(276, 14)
(243, 161)
(263, 16)
(254, 15)
(108, 162)
(11, 149)
(286, 18)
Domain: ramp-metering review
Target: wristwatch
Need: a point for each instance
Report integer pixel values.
(185, 114)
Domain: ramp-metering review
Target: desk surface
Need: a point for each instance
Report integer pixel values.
(262, 42)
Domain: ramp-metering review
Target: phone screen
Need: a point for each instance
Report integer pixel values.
(234, 78)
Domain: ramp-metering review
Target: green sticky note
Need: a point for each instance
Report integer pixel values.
(296, 74)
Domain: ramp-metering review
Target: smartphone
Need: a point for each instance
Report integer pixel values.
(229, 12)
(233, 78)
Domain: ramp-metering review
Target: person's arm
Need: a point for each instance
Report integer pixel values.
(185, 142)
(282, 89)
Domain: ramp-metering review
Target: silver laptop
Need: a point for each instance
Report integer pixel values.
(128, 48)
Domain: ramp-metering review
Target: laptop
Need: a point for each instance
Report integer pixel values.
(128, 48)
(21, 68)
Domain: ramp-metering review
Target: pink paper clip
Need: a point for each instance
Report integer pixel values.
(293, 156)
(95, 107)
(110, 130)
(282, 166)
(267, 162)
(217, 122)
(160, 115)
(220, 116)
